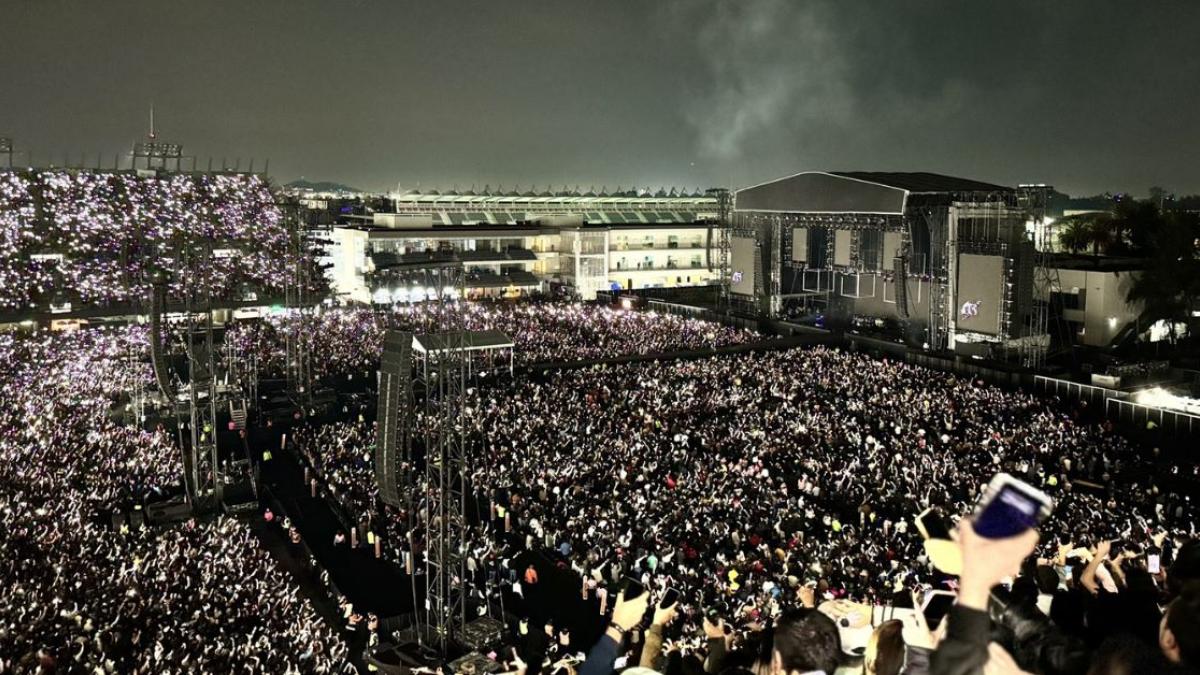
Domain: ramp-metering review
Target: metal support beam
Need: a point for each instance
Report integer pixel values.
(445, 462)
(296, 300)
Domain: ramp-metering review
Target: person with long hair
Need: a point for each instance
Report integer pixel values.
(885, 650)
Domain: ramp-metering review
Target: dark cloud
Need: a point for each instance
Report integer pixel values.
(1067, 92)
(1084, 94)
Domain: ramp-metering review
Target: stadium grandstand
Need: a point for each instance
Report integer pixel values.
(619, 207)
(79, 243)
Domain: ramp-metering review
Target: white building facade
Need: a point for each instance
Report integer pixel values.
(514, 244)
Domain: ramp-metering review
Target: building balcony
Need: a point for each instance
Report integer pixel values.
(660, 246)
(382, 260)
(660, 268)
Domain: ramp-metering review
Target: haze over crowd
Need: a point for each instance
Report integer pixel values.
(688, 92)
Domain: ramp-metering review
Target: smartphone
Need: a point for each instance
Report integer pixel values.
(935, 606)
(1153, 563)
(1009, 507)
(632, 588)
(931, 525)
(669, 598)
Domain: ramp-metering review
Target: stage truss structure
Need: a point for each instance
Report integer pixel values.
(195, 401)
(722, 230)
(438, 493)
(297, 302)
(1047, 285)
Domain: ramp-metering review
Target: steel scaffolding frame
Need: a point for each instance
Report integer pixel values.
(942, 272)
(1046, 281)
(205, 462)
(442, 484)
(296, 288)
(723, 233)
(197, 411)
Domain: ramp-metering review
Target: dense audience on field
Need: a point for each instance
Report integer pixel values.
(99, 238)
(349, 341)
(761, 483)
(77, 595)
(775, 490)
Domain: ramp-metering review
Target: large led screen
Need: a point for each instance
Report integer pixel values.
(980, 291)
(742, 265)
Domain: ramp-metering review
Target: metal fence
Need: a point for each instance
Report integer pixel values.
(702, 313)
(1141, 416)
(1075, 391)
(997, 376)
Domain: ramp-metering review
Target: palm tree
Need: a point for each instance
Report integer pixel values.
(1169, 288)
(1073, 235)
(1087, 231)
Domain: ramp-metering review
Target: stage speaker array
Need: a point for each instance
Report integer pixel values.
(395, 415)
(158, 308)
(900, 268)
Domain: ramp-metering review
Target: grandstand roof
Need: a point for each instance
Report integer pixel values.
(382, 259)
(446, 231)
(852, 192)
(547, 197)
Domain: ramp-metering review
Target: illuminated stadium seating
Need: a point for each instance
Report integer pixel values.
(88, 239)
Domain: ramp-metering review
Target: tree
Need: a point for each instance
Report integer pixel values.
(1158, 195)
(1087, 231)
(1169, 287)
(1136, 226)
(1074, 235)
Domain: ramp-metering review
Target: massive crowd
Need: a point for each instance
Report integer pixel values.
(775, 490)
(753, 481)
(98, 238)
(77, 595)
(745, 480)
(345, 341)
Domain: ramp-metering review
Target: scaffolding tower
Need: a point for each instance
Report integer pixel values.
(297, 301)
(204, 462)
(442, 484)
(1035, 350)
(722, 233)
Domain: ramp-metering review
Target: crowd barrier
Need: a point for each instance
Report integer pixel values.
(1076, 391)
(702, 313)
(970, 368)
(1141, 416)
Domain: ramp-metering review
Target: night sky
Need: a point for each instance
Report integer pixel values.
(1085, 94)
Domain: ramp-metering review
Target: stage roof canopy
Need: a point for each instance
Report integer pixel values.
(851, 192)
(473, 341)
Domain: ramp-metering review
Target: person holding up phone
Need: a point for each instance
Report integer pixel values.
(627, 614)
(664, 614)
(985, 563)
